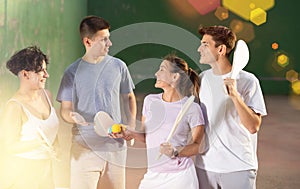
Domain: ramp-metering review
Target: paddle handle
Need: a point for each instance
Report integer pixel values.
(179, 117)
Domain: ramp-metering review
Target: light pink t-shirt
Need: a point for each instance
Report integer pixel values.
(159, 119)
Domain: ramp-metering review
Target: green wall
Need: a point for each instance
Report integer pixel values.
(142, 31)
(281, 27)
(52, 25)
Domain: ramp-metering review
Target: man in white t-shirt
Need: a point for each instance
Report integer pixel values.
(233, 116)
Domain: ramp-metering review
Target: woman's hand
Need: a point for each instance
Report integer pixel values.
(125, 133)
(166, 149)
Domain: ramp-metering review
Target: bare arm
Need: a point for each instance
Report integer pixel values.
(66, 108)
(66, 112)
(138, 135)
(12, 120)
(129, 106)
(192, 148)
(189, 150)
(250, 119)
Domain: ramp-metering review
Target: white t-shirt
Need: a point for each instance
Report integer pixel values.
(231, 147)
(159, 119)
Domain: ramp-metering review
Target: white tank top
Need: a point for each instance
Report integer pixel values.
(32, 128)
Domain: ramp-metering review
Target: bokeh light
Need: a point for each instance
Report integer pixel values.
(296, 87)
(183, 7)
(237, 26)
(282, 60)
(252, 6)
(258, 16)
(295, 101)
(205, 6)
(243, 8)
(275, 46)
(243, 30)
(292, 75)
(221, 13)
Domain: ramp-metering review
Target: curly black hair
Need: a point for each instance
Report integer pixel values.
(29, 59)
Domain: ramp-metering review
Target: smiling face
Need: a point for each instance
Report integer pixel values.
(208, 52)
(38, 79)
(165, 78)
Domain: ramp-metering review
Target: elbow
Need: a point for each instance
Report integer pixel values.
(63, 116)
(255, 127)
(196, 150)
(254, 130)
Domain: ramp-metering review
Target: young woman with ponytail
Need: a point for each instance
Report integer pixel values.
(175, 169)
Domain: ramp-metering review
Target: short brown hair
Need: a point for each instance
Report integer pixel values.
(221, 35)
(90, 25)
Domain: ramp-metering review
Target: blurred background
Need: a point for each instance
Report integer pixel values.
(152, 29)
(142, 32)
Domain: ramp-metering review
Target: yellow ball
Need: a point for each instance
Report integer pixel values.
(116, 128)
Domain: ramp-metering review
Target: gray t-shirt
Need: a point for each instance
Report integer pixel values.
(92, 88)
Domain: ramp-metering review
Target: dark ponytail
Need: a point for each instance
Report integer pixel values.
(194, 77)
(189, 83)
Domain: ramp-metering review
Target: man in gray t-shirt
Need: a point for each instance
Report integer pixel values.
(96, 82)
